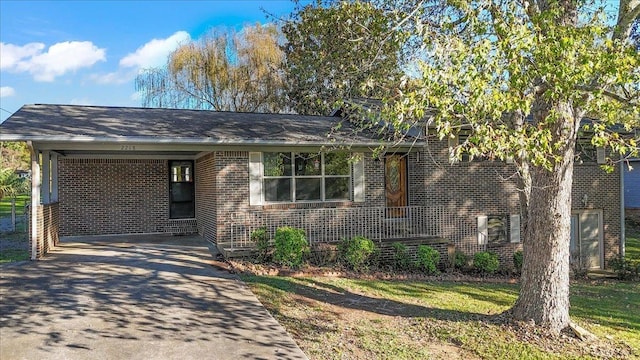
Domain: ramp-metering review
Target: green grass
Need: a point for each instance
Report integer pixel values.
(5, 205)
(18, 238)
(11, 255)
(632, 242)
(14, 254)
(334, 318)
(610, 309)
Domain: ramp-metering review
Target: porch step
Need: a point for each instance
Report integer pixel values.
(181, 227)
(230, 253)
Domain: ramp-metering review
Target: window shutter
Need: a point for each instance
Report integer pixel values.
(358, 179)
(255, 178)
(514, 228)
(483, 229)
(600, 155)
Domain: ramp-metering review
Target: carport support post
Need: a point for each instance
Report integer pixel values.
(54, 177)
(35, 199)
(46, 177)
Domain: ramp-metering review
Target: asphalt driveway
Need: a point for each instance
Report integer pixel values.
(134, 298)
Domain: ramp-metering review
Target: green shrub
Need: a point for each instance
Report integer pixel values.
(461, 260)
(291, 246)
(357, 252)
(626, 269)
(518, 257)
(579, 265)
(428, 259)
(263, 247)
(401, 259)
(486, 262)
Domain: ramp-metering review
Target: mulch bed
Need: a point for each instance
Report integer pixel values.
(249, 268)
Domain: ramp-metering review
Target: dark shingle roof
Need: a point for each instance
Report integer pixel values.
(100, 123)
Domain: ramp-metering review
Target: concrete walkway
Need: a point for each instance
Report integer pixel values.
(151, 297)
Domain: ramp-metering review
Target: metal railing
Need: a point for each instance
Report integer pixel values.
(334, 224)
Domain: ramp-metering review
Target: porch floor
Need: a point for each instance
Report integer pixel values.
(169, 240)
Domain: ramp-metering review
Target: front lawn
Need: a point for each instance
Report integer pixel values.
(11, 255)
(632, 241)
(335, 318)
(13, 247)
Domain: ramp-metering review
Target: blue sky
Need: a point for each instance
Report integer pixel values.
(88, 52)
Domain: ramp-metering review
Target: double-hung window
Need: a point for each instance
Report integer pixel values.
(300, 177)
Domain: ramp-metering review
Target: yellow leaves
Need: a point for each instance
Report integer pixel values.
(225, 70)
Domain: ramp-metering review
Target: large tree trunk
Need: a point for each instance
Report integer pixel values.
(544, 292)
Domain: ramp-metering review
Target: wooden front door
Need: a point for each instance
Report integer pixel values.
(395, 184)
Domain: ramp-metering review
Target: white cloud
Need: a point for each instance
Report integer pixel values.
(152, 54)
(6, 91)
(11, 55)
(58, 60)
(117, 77)
(155, 52)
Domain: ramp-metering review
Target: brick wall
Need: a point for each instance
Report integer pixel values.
(231, 189)
(206, 203)
(470, 189)
(602, 191)
(48, 229)
(112, 196)
(374, 182)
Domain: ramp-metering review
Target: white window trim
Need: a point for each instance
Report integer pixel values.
(293, 177)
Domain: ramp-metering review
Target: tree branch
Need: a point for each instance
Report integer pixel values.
(608, 93)
(628, 11)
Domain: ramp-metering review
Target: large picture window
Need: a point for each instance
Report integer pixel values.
(297, 177)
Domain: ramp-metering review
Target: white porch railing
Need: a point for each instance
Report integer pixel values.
(334, 224)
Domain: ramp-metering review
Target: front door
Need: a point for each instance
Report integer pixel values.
(586, 238)
(181, 190)
(395, 184)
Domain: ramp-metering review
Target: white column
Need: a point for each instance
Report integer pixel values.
(54, 177)
(35, 200)
(46, 177)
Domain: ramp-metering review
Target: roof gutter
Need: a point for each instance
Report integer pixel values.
(190, 141)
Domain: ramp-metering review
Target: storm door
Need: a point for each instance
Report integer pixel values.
(586, 238)
(395, 184)
(181, 190)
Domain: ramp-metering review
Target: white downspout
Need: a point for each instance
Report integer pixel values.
(35, 199)
(622, 214)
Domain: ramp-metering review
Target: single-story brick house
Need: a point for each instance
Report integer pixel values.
(115, 170)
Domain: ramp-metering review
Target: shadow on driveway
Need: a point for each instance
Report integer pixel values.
(134, 298)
